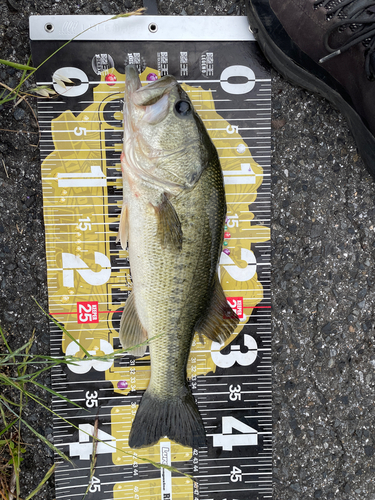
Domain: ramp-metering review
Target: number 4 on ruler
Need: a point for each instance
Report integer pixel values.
(83, 449)
(226, 440)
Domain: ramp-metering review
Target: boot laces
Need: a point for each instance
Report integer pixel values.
(359, 17)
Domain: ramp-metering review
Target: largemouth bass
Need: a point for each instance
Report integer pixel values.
(172, 221)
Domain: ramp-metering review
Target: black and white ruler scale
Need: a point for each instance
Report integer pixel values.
(89, 279)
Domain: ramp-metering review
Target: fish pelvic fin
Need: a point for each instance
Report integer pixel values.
(176, 418)
(132, 332)
(169, 225)
(123, 230)
(219, 321)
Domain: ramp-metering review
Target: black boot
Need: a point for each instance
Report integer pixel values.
(327, 46)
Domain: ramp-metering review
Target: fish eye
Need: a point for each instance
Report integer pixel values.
(183, 108)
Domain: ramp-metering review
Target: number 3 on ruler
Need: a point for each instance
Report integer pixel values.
(85, 365)
(71, 261)
(235, 355)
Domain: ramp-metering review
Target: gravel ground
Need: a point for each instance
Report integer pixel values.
(323, 239)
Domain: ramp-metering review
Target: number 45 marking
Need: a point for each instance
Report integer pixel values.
(226, 440)
(94, 484)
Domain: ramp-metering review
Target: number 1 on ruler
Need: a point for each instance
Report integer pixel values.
(82, 179)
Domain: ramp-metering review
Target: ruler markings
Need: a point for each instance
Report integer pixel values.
(261, 379)
(237, 490)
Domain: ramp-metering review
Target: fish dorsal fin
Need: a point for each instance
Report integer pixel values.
(219, 321)
(131, 330)
(123, 230)
(169, 225)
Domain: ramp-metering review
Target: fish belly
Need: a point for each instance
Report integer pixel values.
(170, 288)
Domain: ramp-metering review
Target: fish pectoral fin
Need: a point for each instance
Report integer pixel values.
(169, 225)
(132, 332)
(123, 230)
(219, 321)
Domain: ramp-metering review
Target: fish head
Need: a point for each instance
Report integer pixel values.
(165, 141)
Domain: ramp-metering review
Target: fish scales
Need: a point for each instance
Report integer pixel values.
(173, 221)
(172, 288)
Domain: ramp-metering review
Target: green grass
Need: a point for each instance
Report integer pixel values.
(9, 94)
(19, 371)
(15, 375)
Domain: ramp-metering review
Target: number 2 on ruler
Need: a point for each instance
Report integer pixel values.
(71, 261)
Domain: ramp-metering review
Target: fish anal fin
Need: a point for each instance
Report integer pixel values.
(123, 230)
(132, 332)
(169, 225)
(219, 321)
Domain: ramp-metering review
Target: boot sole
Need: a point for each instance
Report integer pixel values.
(298, 76)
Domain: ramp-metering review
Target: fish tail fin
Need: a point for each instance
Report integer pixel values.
(176, 418)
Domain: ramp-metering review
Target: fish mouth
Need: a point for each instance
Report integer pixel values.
(132, 82)
(146, 105)
(151, 93)
(153, 99)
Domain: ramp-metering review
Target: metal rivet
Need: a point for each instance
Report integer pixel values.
(153, 27)
(49, 27)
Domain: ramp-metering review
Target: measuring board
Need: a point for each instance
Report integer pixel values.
(89, 279)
